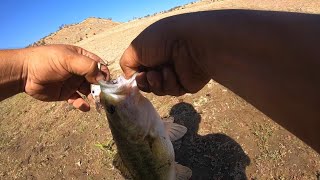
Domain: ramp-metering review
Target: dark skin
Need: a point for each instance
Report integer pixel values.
(50, 73)
(270, 59)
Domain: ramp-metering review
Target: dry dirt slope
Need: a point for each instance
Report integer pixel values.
(227, 138)
(73, 33)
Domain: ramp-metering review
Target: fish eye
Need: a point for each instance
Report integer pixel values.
(111, 109)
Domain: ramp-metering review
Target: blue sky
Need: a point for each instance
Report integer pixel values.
(26, 21)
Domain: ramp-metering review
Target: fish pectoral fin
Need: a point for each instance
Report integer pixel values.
(183, 172)
(175, 131)
(168, 119)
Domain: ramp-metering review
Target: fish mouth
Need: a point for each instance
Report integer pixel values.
(118, 87)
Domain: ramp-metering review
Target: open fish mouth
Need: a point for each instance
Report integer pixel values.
(115, 88)
(117, 85)
(120, 88)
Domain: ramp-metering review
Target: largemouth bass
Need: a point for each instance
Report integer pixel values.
(142, 138)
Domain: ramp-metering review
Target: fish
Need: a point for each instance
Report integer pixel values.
(142, 138)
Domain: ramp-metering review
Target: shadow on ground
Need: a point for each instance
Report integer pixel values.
(213, 156)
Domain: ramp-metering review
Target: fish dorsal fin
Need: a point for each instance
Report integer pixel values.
(183, 172)
(175, 131)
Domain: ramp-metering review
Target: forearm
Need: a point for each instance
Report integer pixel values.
(270, 59)
(12, 72)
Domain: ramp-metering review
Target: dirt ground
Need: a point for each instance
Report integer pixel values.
(227, 138)
(84, 30)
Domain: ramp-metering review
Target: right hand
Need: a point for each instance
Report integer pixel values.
(165, 63)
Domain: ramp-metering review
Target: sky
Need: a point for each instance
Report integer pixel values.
(26, 21)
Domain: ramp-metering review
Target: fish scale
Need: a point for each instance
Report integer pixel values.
(137, 155)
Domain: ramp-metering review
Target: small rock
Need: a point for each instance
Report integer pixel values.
(78, 163)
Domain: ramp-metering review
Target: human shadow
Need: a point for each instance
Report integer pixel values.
(213, 156)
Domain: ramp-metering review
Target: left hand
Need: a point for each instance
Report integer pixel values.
(59, 72)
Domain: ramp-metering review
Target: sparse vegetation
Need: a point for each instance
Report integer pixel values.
(65, 34)
(108, 147)
(62, 26)
(162, 12)
(174, 8)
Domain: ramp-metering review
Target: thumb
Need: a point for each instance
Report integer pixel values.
(84, 66)
(129, 62)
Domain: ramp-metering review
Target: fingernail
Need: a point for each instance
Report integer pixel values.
(84, 108)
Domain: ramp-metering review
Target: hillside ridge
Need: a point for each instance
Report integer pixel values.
(73, 33)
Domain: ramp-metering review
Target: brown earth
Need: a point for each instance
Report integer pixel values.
(73, 33)
(227, 138)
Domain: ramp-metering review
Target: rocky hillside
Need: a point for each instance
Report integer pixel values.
(73, 33)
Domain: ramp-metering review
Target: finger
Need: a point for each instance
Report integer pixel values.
(91, 99)
(88, 68)
(73, 97)
(77, 102)
(85, 63)
(129, 62)
(142, 82)
(104, 75)
(81, 104)
(170, 82)
(84, 88)
(89, 54)
(105, 72)
(191, 76)
(155, 82)
(70, 86)
(181, 91)
(82, 65)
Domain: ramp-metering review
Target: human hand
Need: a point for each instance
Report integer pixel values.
(166, 64)
(57, 72)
